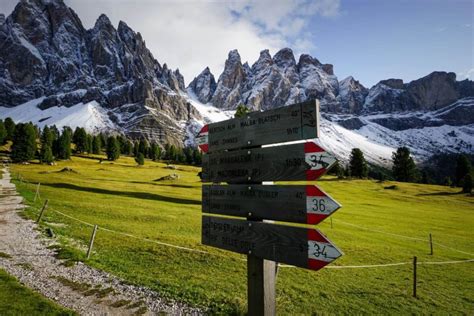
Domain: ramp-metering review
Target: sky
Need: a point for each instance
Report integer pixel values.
(370, 40)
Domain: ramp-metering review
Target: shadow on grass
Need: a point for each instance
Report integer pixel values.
(153, 182)
(137, 195)
(441, 193)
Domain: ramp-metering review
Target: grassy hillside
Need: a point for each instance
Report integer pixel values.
(375, 226)
(16, 299)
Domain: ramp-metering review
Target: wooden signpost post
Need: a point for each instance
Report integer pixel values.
(234, 154)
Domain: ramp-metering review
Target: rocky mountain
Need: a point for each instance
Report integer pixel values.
(49, 56)
(54, 71)
(432, 114)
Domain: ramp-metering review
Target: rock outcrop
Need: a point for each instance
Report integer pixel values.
(46, 52)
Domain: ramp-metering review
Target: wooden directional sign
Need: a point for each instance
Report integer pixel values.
(298, 246)
(289, 123)
(304, 161)
(305, 204)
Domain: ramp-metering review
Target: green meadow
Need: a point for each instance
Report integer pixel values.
(375, 226)
(16, 299)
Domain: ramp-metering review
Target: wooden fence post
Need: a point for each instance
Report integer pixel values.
(42, 211)
(431, 245)
(414, 276)
(91, 242)
(37, 192)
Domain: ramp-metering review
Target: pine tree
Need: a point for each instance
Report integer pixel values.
(96, 145)
(241, 111)
(129, 149)
(113, 148)
(80, 139)
(358, 165)
(89, 144)
(24, 143)
(197, 157)
(10, 127)
(64, 144)
(143, 147)
(140, 159)
(103, 140)
(404, 168)
(135, 149)
(463, 167)
(47, 137)
(3, 133)
(46, 155)
(467, 183)
(155, 152)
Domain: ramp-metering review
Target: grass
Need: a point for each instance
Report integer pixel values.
(16, 299)
(123, 197)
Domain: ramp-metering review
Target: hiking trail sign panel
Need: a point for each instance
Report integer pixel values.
(303, 161)
(284, 124)
(306, 204)
(302, 247)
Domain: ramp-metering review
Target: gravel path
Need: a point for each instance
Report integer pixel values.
(81, 288)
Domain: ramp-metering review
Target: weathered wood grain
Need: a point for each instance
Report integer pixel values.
(298, 246)
(303, 161)
(289, 123)
(306, 204)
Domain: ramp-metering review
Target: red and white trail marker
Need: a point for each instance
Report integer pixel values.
(202, 139)
(318, 159)
(319, 205)
(321, 251)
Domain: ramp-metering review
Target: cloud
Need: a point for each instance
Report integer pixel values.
(468, 74)
(194, 34)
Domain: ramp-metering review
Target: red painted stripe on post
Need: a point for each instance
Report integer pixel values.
(312, 148)
(312, 190)
(314, 174)
(314, 264)
(204, 129)
(314, 219)
(316, 236)
(204, 147)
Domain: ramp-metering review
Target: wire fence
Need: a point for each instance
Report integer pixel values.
(365, 266)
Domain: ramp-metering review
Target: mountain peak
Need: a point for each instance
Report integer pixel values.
(234, 55)
(284, 58)
(103, 22)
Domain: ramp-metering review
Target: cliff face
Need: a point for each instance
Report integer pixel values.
(48, 53)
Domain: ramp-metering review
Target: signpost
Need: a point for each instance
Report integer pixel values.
(234, 155)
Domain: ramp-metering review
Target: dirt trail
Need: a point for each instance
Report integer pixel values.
(37, 267)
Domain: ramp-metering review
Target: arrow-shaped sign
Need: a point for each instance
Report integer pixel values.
(304, 161)
(305, 204)
(284, 124)
(298, 246)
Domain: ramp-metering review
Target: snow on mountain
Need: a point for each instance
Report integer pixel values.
(90, 115)
(334, 138)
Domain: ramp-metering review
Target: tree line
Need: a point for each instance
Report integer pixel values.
(50, 144)
(404, 169)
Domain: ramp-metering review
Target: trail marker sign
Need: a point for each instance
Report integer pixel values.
(284, 124)
(234, 155)
(305, 204)
(303, 161)
(298, 246)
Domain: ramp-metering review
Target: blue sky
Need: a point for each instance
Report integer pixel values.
(373, 40)
(368, 39)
